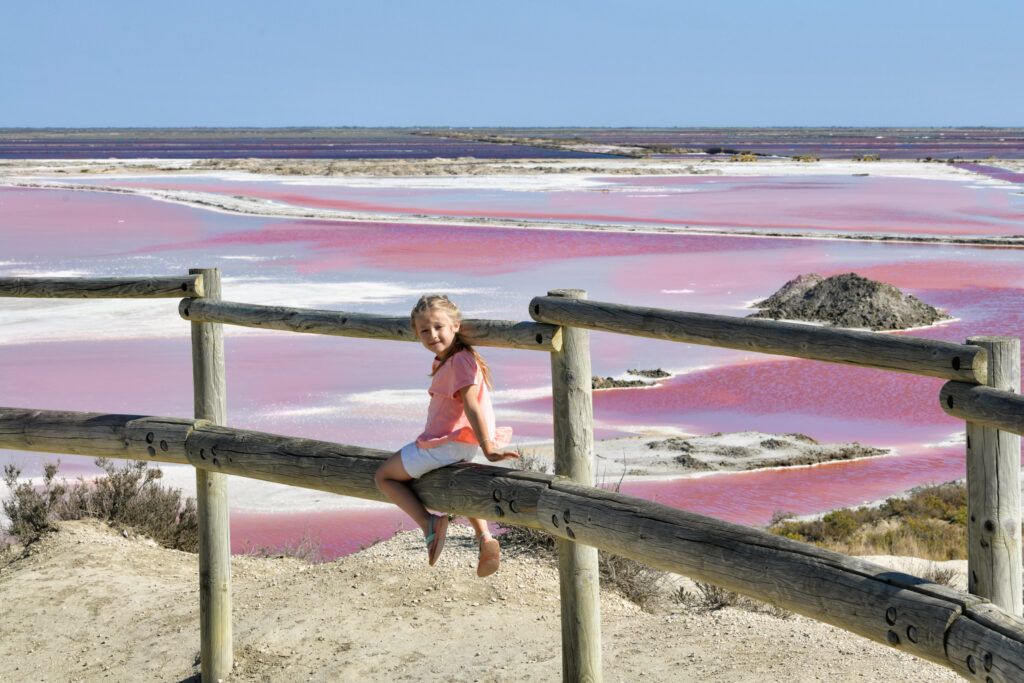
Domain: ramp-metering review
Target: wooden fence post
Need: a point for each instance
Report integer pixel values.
(993, 490)
(573, 410)
(210, 403)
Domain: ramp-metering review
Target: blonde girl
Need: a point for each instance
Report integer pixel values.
(460, 420)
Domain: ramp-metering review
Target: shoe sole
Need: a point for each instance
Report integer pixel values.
(440, 533)
(489, 560)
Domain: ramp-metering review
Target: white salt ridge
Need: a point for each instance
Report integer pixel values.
(378, 402)
(234, 204)
(254, 495)
(954, 439)
(32, 320)
(511, 183)
(562, 172)
(247, 257)
(34, 272)
(401, 402)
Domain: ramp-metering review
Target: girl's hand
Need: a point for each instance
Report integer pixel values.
(498, 456)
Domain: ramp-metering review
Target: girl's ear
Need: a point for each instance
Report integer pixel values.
(456, 324)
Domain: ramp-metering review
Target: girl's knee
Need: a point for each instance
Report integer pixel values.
(390, 469)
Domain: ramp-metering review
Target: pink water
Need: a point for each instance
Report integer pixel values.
(336, 532)
(358, 391)
(805, 203)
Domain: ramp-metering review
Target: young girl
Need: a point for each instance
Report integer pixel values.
(459, 419)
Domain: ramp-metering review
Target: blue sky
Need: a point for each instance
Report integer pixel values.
(523, 63)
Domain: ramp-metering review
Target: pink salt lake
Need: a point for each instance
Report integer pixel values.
(372, 394)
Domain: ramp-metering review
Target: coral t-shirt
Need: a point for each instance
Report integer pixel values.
(446, 417)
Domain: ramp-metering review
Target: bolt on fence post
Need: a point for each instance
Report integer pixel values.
(993, 490)
(210, 403)
(573, 411)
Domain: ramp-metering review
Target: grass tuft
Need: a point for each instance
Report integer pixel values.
(307, 548)
(709, 598)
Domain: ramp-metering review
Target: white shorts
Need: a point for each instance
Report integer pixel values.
(418, 461)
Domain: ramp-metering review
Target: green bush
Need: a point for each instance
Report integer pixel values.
(130, 497)
(931, 523)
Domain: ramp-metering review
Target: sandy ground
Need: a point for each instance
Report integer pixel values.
(90, 604)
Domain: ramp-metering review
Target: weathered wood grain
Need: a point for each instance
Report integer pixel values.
(209, 390)
(983, 405)
(100, 435)
(903, 611)
(102, 288)
(860, 597)
(496, 333)
(850, 347)
(573, 418)
(993, 490)
(984, 645)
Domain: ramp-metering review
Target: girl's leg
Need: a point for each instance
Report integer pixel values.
(479, 526)
(391, 478)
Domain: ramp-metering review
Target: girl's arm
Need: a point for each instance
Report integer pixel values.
(479, 425)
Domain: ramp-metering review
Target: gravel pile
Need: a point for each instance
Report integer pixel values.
(847, 300)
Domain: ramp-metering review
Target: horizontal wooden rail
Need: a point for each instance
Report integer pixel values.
(993, 407)
(957, 630)
(101, 435)
(948, 360)
(102, 287)
(500, 333)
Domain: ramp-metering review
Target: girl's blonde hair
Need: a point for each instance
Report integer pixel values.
(440, 302)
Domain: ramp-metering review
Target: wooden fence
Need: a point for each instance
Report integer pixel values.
(981, 640)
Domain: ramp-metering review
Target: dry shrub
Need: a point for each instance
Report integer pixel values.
(914, 537)
(942, 575)
(519, 540)
(639, 583)
(635, 581)
(307, 548)
(530, 462)
(30, 511)
(710, 597)
(129, 497)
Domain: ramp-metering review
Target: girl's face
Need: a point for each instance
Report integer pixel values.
(436, 331)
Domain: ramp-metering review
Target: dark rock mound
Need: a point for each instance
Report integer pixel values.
(612, 383)
(657, 373)
(847, 300)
